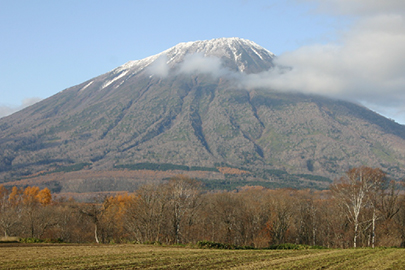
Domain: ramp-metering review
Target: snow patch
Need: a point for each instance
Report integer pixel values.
(258, 54)
(87, 85)
(107, 83)
(119, 84)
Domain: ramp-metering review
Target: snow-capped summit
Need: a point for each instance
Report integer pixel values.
(237, 54)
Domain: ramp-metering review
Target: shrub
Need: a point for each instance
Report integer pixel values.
(215, 245)
(31, 240)
(156, 243)
(209, 244)
(294, 246)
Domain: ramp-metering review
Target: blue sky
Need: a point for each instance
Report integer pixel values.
(47, 46)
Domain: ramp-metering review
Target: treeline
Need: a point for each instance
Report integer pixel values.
(361, 209)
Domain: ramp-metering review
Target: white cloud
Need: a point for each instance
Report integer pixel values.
(7, 110)
(366, 64)
(197, 62)
(159, 67)
(29, 101)
(192, 63)
(358, 7)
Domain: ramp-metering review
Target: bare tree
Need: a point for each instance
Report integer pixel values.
(383, 201)
(227, 213)
(282, 208)
(400, 220)
(184, 195)
(145, 213)
(95, 212)
(9, 214)
(353, 192)
(306, 218)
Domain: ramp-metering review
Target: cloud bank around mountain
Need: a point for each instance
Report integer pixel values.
(365, 64)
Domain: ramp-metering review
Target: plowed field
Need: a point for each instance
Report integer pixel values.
(63, 256)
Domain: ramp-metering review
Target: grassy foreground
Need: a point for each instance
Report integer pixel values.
(63, 256)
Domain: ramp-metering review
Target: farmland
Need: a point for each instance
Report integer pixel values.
(130, 256)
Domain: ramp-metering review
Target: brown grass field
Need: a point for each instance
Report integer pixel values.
(128, 256)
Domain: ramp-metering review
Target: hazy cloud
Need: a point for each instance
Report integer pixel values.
(159, 67)
(358, 7)
(193, 62)
(7, 110)
(197, 62)
(366, 64)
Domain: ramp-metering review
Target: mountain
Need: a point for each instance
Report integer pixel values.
(185, 110)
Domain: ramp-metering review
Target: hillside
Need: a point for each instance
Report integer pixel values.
(184, 107)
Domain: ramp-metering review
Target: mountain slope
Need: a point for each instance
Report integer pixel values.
(185, 107)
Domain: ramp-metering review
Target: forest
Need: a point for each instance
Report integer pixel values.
(363, 208)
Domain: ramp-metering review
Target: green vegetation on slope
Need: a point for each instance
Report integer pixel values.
(162, 167)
